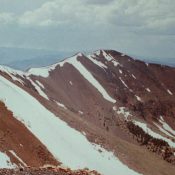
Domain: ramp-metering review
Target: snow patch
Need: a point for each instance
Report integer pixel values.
(123, 83)
(153, 134)
(5, 161)
(70, 82)
(114, 108)
(134, 76)
(61, 105)
(12, 73)
(138, 98)
(109, 58)
(169, 92)
(39, 90)
(84, 133)
(120, 71)
(80, 112)
(42, 71)
(40, 84)
(98, 63)
(18, 158)
(166, 126)
(79, 54)
(98, 52)
(115, 63)
(162, 130)
(148, 90)
(124, 112)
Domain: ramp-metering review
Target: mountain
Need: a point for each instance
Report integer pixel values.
(104, 111)
(164, 61)
(24, 58)
(39, 61)
(11, 54)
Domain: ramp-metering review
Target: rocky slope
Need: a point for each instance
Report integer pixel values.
(49, 170)
(105, 111)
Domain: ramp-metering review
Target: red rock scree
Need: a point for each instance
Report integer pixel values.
(46, 171)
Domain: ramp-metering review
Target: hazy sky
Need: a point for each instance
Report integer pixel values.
(141, 27)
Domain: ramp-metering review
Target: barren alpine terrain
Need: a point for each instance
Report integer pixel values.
(46, 171)
(104, 111)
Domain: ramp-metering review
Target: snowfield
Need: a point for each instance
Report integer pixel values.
(66, 144)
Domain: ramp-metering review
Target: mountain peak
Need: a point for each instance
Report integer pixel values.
(96, 57)
(79, 54)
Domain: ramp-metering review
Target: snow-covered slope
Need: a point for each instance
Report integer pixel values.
(77, 109)
(66, 144)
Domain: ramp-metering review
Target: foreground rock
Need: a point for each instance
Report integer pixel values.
(46, 171)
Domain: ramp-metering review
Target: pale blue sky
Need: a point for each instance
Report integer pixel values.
(139, 27)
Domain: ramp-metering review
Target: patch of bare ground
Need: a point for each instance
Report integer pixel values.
(46, 171)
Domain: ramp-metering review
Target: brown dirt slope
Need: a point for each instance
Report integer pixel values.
(16, 137)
